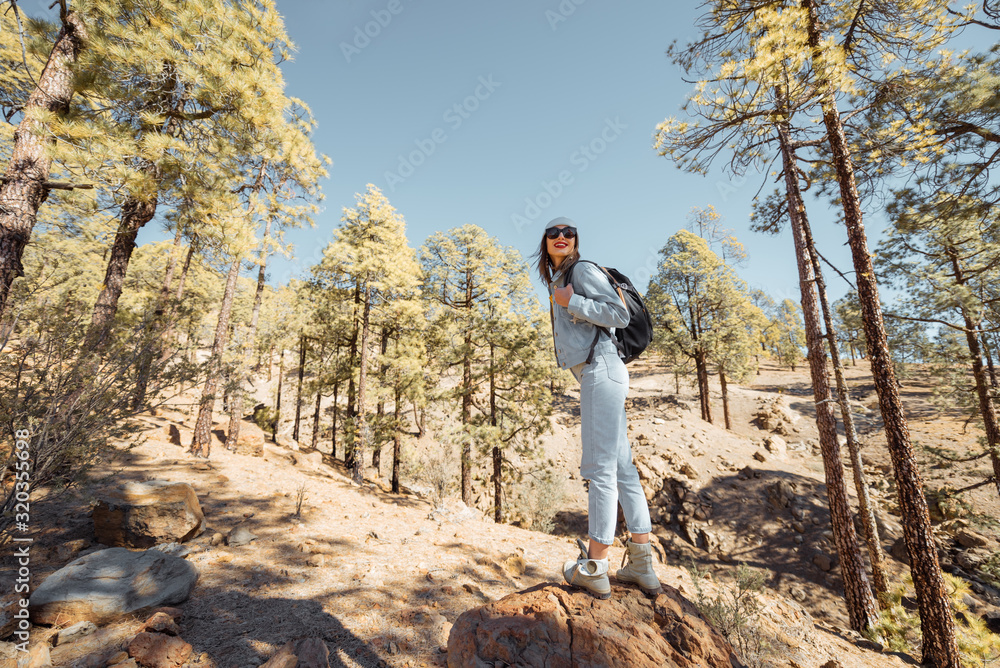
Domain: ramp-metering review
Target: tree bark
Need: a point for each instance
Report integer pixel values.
(866, 505)
(989, 358)
(23, 188)
(363, 436)
(135, 214)
(201, 443)
(497, 457)
(380, 408)
(242, 371)
(349, 444)
(701, 371)
(168, 330)
(467, 399)
(319, 398)
(986, 408)
(298, 394)
(861, 608)
(418, 421)
(397, 440)
(336, 414)
(277, 406)
(725, 399)
(936, 621)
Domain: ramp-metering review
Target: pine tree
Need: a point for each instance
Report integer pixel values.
(701, 305)
(944, 255)
(749, 52)
(467, 276)
(787, 334)
(169, 109)
(937, 623)
(850, 329)
(25, 182)
(370, 252)
(517, 405)
(233, 241)
(283, 193)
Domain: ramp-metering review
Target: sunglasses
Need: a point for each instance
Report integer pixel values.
(554, 232)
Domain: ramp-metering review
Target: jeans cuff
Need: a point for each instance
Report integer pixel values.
(648, 529)
(601, 539)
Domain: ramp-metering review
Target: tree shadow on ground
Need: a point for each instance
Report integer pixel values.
(788, 542)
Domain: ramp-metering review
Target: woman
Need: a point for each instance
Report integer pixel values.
(578, 310)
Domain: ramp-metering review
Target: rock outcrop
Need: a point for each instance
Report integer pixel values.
(104, 586)
(555, 626)
(301, 653)
(143, 514)
(250, 441)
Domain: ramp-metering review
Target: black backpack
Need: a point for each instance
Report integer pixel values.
(638, 334)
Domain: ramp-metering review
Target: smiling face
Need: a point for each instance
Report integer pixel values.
(560, 247)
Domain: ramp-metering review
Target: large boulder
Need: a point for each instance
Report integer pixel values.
(144, 514)
(555, 626)
(104, 586)
(250, 441)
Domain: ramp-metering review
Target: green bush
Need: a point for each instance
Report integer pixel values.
(735, 612)
(899, 629)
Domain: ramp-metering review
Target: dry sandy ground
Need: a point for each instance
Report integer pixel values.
(396, 572)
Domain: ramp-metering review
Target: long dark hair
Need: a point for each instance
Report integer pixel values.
(544, 263)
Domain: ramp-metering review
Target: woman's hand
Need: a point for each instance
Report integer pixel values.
(562, 295)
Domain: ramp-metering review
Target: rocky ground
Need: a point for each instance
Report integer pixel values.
(382, 577)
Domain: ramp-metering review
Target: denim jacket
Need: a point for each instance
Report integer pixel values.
(594, 303)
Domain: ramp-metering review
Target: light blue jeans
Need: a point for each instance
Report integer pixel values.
(607, 455)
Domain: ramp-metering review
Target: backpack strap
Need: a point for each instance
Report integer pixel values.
(599, 328)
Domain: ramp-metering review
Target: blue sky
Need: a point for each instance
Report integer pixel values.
(507, 115)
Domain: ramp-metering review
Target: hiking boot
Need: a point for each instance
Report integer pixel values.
(639, 568)
(587, 573)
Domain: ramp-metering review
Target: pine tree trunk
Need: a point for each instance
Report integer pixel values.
(277, 406)
(418, 421)
(989, 358)
(701, 370)
(350, 441)
(397, 440)
(467, 399)
(336, 414)
(135, 214)
(986, 408)
(168, 330)
(22, 189)
(298, 394)
(151, 351)
(936, 621)
(242, 370)
(861, 607)
(202, 441)
(380, 408)
(319, 398)
(866, 505)
(363, 436)
(725, 399)
(497, 458)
